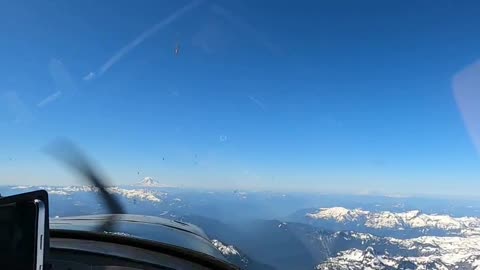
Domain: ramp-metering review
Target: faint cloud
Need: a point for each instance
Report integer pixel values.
(61, 77)
(251, 174)
(49, 99)
(201, 39)
(62, 81)
(257, 102)
(223, 138)
(174, 93)
(16, 107)
(379, 163)
(144, 35)
(466, 90)
(243, 24)
(332, 121)
(212, 37)
(89, 76)
(366, 192)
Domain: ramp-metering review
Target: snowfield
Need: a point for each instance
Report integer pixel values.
(338, 214)
(225, 250)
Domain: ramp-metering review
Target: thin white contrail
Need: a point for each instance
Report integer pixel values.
(62, 80)
(143, 36)
(49, 99)
(243, 24)
(257, 102)
(16, 106)
(89, 76)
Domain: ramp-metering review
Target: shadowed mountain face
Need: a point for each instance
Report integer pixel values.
(266, 241)
(285, 245)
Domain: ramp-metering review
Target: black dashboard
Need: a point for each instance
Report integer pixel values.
(76, 254)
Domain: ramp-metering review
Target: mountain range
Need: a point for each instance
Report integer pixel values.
(266, 231)
(399, 221)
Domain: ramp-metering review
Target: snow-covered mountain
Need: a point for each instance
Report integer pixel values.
(149, 182)
(137, 194)
(237, 258)
(459, 248)
(398, 221)
(339, 214)
(441, 253)
(224, 249)
(357, 259)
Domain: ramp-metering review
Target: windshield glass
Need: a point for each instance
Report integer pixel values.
(314, 134)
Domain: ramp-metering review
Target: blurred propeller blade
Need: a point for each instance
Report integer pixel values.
(67, 153)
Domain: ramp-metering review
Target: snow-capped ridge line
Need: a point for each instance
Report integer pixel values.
(138, 193)
(390, 220)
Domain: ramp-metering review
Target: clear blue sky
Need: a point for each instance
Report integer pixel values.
(333, 96)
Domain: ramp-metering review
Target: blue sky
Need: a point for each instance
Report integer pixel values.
(332, 97)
